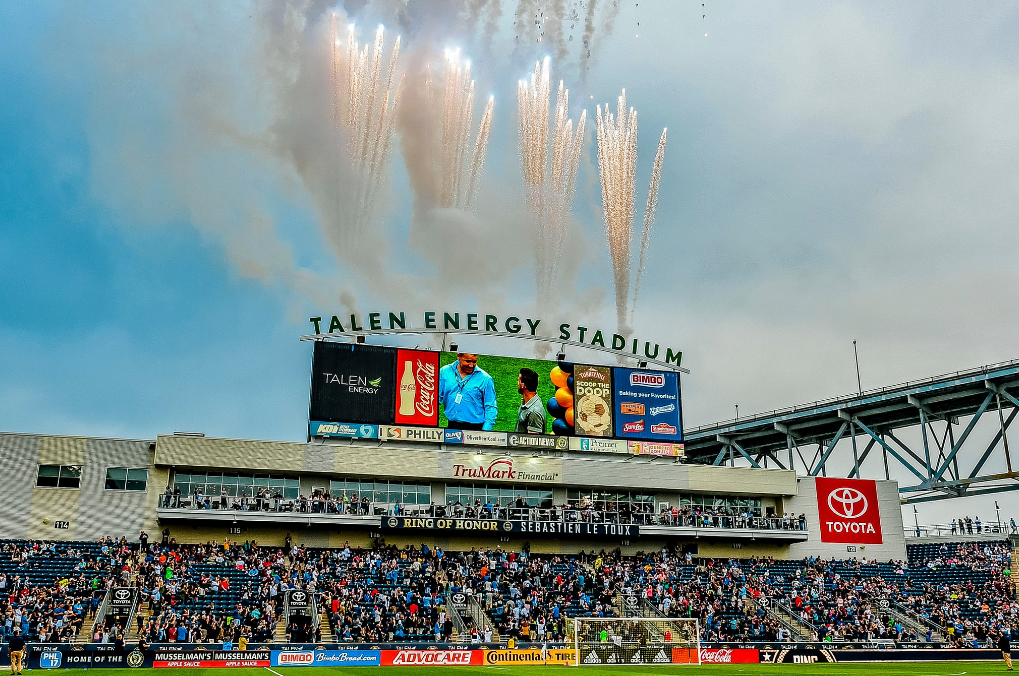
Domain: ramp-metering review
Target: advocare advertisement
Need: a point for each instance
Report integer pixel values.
(647, 405)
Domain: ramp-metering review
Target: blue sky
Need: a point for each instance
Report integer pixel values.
(835, 171)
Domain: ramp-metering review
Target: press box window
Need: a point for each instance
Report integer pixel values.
(123, 479)
(59, 476)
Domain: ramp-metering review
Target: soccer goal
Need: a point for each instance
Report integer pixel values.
(636, 640)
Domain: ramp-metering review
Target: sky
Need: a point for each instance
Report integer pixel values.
(172, 210)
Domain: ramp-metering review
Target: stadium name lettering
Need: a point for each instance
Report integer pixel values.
(483, 323)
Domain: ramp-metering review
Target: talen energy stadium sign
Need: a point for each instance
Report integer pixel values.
(550, 528)
(472, 322)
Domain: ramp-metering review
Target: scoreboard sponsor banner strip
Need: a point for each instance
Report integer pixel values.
(345, 430)
(656, 448)
(507, 527)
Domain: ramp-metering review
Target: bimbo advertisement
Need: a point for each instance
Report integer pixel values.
(647, 405)
(848, 511)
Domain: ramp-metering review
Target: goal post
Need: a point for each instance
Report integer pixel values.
(636, 640)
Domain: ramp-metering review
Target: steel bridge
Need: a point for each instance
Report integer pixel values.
(938, 417)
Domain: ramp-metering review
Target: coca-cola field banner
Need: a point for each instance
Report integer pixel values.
(417, 382)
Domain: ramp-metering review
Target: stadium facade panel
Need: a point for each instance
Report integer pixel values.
(552, 501)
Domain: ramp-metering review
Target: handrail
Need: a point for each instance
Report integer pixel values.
(919, 621)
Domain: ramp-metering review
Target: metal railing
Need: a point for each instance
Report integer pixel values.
(948, 530)
(705, 520)
(980, 370)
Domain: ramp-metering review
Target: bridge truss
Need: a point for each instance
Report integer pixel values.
(947, 434)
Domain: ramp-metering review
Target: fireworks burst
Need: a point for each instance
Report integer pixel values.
(460, 168)
(364, 106)
(550, 179)
(617, 164)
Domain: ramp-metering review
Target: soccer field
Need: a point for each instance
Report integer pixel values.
(885, 669)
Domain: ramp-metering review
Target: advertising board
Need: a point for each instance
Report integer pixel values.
(647, 405)
(211, 658)
(564, 656)
(848, 511)
(318, 428)
(592, 388)
(423, 658)
(596, 445)
(326, 658)
(662, 449)
(353, 383)
(417, 396)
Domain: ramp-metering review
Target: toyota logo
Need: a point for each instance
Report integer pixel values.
(848, 503)
(297, 596)
(122, 594)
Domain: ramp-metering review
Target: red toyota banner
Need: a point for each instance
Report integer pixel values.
(417, 383)
(848, 511)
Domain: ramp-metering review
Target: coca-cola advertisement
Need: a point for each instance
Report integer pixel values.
(730, 656)
(417, 382)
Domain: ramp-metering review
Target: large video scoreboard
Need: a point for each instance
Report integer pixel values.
(364, 391)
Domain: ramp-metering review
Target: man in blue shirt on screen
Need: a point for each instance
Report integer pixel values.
(467, 394)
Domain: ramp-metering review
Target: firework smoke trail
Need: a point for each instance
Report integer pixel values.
(617, 164)
(460, 168)
(550, 181)
(364, 107)
(649, 217)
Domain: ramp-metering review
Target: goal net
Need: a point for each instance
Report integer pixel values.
(636, 640)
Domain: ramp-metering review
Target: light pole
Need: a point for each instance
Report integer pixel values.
(856, 355)
(737, 414)
(916, 518)
(997, 514)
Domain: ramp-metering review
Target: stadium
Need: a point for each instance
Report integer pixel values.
(391, 537)
(338, 335)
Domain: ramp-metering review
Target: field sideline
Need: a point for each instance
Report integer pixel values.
(886, 669)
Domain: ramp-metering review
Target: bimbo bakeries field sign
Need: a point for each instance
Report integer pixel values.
(460, 323)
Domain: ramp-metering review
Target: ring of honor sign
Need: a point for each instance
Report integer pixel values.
(393, 394)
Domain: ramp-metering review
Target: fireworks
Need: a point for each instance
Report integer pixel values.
(550, 179)
(460, 168)
(617, 164)
(364, 106)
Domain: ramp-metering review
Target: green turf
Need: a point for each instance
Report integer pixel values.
(504, 371)
(884, 669)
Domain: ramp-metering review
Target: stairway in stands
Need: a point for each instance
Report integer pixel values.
(1015, 564)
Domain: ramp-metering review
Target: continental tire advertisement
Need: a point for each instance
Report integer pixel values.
(534, 656)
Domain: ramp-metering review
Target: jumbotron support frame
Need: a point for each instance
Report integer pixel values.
(943, 461)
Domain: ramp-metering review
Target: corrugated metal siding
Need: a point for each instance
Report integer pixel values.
(19, 455)
(102, 512)
(231, 454)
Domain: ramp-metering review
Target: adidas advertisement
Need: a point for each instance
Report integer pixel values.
(353, 383)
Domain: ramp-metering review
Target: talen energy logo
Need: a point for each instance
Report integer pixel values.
(353, 383)
(848, 511)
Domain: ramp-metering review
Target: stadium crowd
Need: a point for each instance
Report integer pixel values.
(232, 592)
